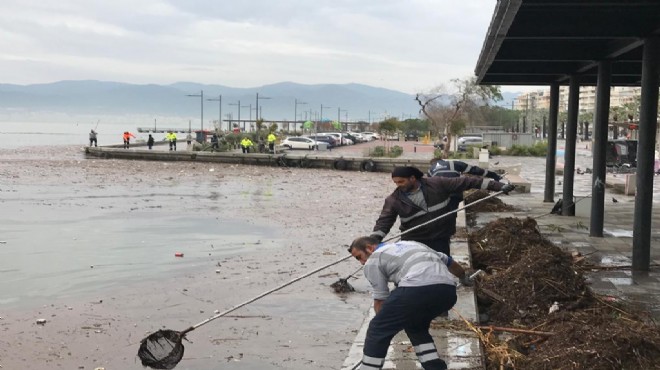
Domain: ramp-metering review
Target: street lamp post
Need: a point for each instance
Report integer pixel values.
(201, 96)
(238, 105)
(321, 117)
(295, 112)
(219, 99)
(257, 107)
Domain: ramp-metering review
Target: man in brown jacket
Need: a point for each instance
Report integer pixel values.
(417, 200)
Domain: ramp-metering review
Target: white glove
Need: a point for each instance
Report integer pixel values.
(466, 281)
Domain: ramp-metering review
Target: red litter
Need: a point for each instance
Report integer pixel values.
(178, 254)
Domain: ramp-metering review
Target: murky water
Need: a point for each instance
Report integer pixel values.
(65, 242)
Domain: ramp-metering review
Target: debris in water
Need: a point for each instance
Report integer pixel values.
(342, 286)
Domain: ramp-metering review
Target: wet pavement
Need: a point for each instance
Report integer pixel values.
(618, 282)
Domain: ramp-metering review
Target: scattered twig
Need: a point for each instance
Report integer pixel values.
(516, 330)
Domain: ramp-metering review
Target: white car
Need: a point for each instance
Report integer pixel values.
(371, 135)
(299, 142)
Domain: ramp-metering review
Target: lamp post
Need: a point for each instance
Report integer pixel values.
(295, 112)
(219, 99)
(201, 96)
(257, 107)
(339, 115)
(321, 117)
(238, 105)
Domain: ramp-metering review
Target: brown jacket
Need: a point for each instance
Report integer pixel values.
(436, 192)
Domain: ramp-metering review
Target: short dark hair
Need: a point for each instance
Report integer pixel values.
(361, 243)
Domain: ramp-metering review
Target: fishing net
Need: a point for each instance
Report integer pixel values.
(342, 286)
(162, 349)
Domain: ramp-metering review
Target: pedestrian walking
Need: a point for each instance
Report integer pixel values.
(424, 289)
(171, 137)
(214, 142)
(271, 142)
(127, 139)
(188, 141)
(150, 142)
(92, 138)
(417, 200)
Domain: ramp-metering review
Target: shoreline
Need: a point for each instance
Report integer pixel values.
(303, 325)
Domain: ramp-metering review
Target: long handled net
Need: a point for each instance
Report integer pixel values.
(164, 348)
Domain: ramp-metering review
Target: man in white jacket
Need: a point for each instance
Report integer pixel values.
(425, 288)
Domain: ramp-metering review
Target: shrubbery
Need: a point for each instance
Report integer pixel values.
(394, 152)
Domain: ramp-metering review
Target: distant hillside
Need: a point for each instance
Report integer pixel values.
(113, 98)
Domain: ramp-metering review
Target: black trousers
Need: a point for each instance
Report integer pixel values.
(438, 245)
(410, 309)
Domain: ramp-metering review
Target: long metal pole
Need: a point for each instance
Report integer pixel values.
(257, 106)
(202, 109)
(551, 158)
(601, 121)
(648, 124)
(569, 153)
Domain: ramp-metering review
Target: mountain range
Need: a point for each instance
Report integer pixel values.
(276, 101)
(279, 101)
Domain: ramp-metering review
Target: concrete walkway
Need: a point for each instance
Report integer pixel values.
(461, 349)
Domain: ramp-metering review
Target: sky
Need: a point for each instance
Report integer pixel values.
(406, 45)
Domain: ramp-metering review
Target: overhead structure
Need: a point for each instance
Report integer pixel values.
(540, 42)
(584, 42)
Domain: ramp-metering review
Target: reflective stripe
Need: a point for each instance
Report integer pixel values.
(424, 347)
(484, 184)
(379, 233)
(369, 362)
(468, 168)
(422, 213)
(428, 357)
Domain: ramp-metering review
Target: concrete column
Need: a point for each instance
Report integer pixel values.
(648, 123)
(568, 208)
(551, 158)
(601, 120)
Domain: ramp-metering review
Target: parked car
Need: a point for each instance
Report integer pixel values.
(299, 142)
(339, 137)
(360, 138)
(466, 141)
(393, 136)
(332, 142)
(352, 137)
(411, 136)
(371, 135)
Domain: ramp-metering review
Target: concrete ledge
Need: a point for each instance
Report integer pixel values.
(622, 183)
(522, 185)
(304, 159)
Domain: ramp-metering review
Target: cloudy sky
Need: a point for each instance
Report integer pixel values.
(405, 45)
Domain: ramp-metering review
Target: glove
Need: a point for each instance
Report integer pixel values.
(465, 281)
(507, 188)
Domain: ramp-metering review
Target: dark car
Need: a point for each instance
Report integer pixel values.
(332, 142)
(411, 136)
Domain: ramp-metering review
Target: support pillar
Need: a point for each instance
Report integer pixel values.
(568, 208)
(601, 120)
(648, 123)
(551, 158)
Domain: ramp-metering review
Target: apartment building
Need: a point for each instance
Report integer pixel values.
(540, 99)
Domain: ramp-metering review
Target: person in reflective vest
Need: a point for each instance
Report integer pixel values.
(171, 137)
(127, 139)
(271, 142)
(246, 143)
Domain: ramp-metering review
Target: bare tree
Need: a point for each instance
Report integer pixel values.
(450, 110)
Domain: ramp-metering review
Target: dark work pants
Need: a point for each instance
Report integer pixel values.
(410, 309)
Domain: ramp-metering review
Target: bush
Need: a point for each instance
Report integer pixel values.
(395, 151)
(379, 151)
(539, 149)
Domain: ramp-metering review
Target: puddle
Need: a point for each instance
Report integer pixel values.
(618, 233)
(614, 260)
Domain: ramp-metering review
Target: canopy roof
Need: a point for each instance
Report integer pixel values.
(538, 42)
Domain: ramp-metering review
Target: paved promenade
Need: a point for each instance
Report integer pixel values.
(459, 348)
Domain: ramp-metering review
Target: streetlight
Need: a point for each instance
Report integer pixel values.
(257, 107)
(295, 112)
(321, 117)
(238, 105)
(219, 99)
(201, 96)
(339, 115)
